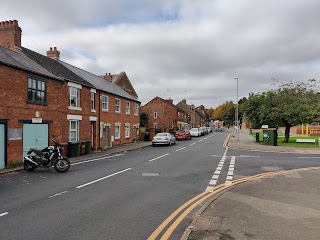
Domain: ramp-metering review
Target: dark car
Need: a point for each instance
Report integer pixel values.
(182, 134)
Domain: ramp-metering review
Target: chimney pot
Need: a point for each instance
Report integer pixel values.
(55, 48)
(11, 22)
(50, 48)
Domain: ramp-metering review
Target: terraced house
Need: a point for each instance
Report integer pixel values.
(41, 96)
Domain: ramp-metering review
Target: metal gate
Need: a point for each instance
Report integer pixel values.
(2, 146)
(34, 136)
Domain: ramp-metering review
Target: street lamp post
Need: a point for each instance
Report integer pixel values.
(237, 113)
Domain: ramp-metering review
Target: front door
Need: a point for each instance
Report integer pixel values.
(34, 136)
(2, 146)
(107, 134)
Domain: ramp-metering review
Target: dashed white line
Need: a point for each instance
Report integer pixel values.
(58, 194)
(100, 179)
(180, 149)
(3, 214)
(192, 144)
(159, 157)
(200, 140)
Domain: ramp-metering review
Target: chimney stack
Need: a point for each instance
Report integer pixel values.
(53, 53)
(108, 77)
(10, 35)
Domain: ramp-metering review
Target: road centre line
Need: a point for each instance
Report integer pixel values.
(96, 159)
(180, 149)
(100, 179)
(192, 144)
(159, 157)
(58, 194)
(3, 214)
(200, 140)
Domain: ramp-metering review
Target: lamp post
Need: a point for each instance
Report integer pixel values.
(237, 112)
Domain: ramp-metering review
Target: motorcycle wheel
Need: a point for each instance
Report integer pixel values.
(62, 165)
(28, 166)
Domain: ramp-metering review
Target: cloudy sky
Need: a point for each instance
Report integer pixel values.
(179, 48)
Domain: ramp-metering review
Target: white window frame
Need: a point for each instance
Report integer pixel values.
(93, 101)
(117, 133)
(77, 93)
(118, 106)
(127, 107)
(155, 115)
(75, 130)
(136, 109)
(106, 103)
(127, 130)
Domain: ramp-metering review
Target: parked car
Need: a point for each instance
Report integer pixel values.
(195, 132)
(182, 134)
(209, 129)
(163, 139)
(203, 131)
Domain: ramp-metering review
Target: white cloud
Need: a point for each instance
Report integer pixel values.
(193, 48)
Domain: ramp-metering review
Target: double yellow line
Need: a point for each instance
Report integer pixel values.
(205, 195)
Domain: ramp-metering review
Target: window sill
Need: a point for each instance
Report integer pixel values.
(118, 112)
(75, 108)
(93, 110)
(104, 110)
(36, 103)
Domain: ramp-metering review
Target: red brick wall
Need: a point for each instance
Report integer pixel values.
(111, 117)
(14, 106)
(167, 114)
(125, 84)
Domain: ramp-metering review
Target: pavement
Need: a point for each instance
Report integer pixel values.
(282, 205)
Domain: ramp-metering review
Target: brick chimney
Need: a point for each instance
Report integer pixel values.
(170, 100)
(53, 53)
(108, 77)
(10, 35)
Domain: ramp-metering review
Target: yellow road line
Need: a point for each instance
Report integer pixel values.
(213, 191)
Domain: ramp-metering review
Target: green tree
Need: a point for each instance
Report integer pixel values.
(290, 104)
(144, 118)
(225, 112)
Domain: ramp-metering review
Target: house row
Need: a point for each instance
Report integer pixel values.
(164, 116)
(42, 96)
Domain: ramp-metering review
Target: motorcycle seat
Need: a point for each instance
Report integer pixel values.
(35, 150)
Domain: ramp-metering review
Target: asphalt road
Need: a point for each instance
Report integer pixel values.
(126, 196)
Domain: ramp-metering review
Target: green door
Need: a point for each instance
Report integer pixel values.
(34, 136)
(2, 146)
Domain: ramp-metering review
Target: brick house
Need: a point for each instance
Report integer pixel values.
(162, 114)
(122, 81)
(42, 96)
(190, 110)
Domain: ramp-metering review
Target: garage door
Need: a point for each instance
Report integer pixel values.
(2, 146)
(34, 136)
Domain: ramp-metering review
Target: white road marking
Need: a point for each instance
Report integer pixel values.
(217, 172)
(100, 179)
(215, 155)
(308, 157)
(230, 173)
(200, 140)
(3, 214)
(205, 138)
(215, 176)
(213, 182)
(180, 149)
(96, 159)
(209, 188)
(159, 157)
(58, 194)
(229, 177)
(192, 144)
(219, 168)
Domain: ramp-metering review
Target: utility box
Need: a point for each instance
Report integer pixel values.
(270, 137)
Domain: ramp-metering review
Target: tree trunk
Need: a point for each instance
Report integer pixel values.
(286, 134)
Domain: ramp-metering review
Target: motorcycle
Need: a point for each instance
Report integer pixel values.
(49, 156)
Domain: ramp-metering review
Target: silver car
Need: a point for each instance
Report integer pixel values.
(163, 139)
